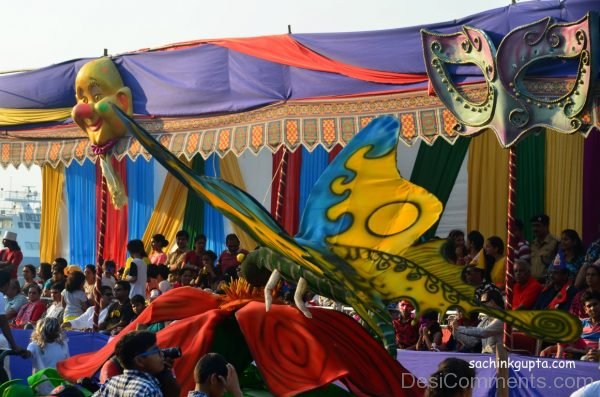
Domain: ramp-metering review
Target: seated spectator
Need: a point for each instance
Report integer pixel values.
(526, 288)
(119, 313)
(214, 376)
(407, 333)
(489, 330)
(453, 378)
(474, 244)
(523, 251)
(543, 247)
(475, 275)
(48, 346)
(14, 299)
(144, 369)
(455, 249)
(570, 252)
(186, 275)
(56, 309)
(228, 261)
(430, 332)
(207, 276)
(32, 311)
(494, 249)
(592, 283)
(58, 274)
(138, 304)
(162, 277)
(44, 273)
(108, 274)
(28, 277)
(90, 281)
(152, 282)
(175, 259)
(86, 320)
(157, 244)
(559, 293)
(590, 331)
(193, 258)
(75, 301)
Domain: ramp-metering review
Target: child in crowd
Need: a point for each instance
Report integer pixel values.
(47, 347)
(228, 261)
(138, 304)
(108, 274)
(75, 301)
(137, 272)
(407, 333)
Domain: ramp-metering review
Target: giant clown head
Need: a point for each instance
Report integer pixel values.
(97, 86)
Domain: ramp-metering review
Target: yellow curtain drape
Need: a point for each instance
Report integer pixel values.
(53, 180)
(564, 181)
(167, 216)
(230, 172)
(488, 186)
(30, 116)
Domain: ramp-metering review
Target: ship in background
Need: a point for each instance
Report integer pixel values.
(20, 212)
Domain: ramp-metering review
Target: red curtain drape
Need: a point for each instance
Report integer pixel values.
(591, 188)
(334, 152)
(116, 235)
(289, 215)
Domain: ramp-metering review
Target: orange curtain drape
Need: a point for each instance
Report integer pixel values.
(53, 181)
(564, 181)
(230, 172)
(487, 186)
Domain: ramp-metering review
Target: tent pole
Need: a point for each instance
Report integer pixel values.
(101, 234)
(510, 241)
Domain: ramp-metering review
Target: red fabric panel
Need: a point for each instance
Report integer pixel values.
(116, 235)
(278, 168)
(289, 216)
(334, 152)
(296, 354)
(283, 49)
(166, 307)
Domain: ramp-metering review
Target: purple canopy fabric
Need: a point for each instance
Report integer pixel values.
(210, 79)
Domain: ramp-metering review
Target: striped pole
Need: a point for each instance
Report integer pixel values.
(281, 187)
(101, 234)
(510, 241)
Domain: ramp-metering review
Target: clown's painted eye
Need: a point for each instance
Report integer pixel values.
(97, 97)
(84, 99)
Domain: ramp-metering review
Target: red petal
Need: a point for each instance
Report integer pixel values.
(296, 354)
(176, 304)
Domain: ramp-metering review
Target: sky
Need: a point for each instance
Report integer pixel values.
(39, 33)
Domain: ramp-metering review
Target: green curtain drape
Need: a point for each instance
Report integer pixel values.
(437, 167)
(193, 219)
(531, 156)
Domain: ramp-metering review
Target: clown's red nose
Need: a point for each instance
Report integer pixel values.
(83, 111)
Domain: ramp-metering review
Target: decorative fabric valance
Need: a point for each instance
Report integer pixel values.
(308, 123)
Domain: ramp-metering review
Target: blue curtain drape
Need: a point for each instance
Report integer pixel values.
(213, 220)
(313, 165)
(81, 193)
(140, 188)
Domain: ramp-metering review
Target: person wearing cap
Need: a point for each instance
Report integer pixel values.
(559, 292)
(543, 246)
(11, 256)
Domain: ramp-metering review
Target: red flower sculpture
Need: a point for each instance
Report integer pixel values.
(294, 354)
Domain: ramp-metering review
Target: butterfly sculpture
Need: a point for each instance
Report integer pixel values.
(357, 235)
(508, 107)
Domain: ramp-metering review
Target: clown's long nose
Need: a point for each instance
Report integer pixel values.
(83, 111)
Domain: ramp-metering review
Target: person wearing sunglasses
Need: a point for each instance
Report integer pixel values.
(145, 373)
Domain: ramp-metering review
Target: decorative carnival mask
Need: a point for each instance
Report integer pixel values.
(509, 109)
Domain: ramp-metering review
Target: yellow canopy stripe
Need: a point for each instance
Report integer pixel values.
(32, 116)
